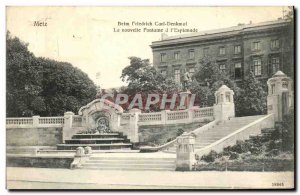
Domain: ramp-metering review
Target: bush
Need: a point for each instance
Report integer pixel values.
(233, 156)
(210, 157)
(179, 132)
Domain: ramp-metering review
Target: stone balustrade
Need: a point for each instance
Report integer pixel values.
(35, 121)
(163, 117)
(174, 117)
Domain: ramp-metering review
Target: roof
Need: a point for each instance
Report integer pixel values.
(221, 31)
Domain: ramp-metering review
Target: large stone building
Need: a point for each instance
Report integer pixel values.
(263, 48)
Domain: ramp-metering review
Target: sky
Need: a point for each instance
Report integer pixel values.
(85, 37)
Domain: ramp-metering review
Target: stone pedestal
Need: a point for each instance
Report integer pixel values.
(133, 133)
(224, 106)
(35, 121)
(67, 128)
(185, 154)
(185, 100)
(280, 95)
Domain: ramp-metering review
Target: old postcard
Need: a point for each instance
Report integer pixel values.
(150, 98)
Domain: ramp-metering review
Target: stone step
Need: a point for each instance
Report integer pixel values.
(131, 158)
(127, 162)
(218, 132)
(133, 165)
(131, 168)
(95, 146)
(95, 136)
(96, 141)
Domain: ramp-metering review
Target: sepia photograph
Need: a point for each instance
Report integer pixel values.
(150, 98)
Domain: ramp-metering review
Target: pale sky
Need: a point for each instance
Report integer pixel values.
(84, 36)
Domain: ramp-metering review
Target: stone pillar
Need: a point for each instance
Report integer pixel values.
(67, 128)
(35, 121)
(280, 99)
(164, 116)
(133, 133)
(185, 98)
(185, 153)
(224, 106)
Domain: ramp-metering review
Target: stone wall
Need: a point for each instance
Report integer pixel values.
(159, 134)
(40, 162)
(46, 136)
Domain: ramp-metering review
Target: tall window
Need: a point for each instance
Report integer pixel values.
(163, 72)
(163, 57)
(256, 46)
(273, 88)
(257, 67)
(222, 68)
(177, 75)
(191, 54)
(191, 71)
(275, 44)
(222, 50)
(274, 64)
(176, 55)
(238, 70)
(237, 49)
(205, 52)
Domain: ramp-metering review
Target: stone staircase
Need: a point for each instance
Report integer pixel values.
(131, 162)
(218, 132)
(103, 141)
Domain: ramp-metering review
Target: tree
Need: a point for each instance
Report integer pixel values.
(252, 99)
(208, 79)
(144, 79)
(39, 86)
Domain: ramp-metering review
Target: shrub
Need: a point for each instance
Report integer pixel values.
(210, 157)
(233, 156)
(179, 132)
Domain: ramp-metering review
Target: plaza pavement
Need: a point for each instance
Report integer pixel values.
(44, 178)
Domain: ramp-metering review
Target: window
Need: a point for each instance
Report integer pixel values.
(177, 75)
(221, 50)
(222, 68)
(256, 46)
(205, 52)
(191, 54)
(272, 88)
(191, 71)
(275, 44)
(284, 84)
(237, 49)
(176, 55)
(257, 67)
(238, 70)
(163, 72)
(274, 65)
(163, 57)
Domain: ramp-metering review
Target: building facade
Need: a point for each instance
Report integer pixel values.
(262, 48)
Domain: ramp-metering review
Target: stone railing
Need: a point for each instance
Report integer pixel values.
(19, 121)
(173, 117)
(204, 112)
(150, 117)
(243, 133)
(35, 121)
(154, 118)
(51, 121)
